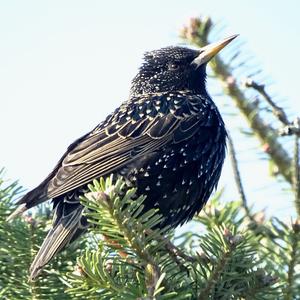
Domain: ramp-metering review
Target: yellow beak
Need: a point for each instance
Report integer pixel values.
(209, 51)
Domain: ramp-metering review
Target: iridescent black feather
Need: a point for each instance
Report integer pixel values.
(168, 139)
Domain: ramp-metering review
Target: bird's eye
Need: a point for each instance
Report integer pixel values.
(173, 67)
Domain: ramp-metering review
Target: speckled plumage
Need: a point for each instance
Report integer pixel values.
(168, 139)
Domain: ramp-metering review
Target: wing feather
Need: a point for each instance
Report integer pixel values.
(112, 147)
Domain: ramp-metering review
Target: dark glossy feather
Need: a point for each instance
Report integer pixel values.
(168, 140)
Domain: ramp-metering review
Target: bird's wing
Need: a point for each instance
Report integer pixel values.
(95, 155)
(103, 152)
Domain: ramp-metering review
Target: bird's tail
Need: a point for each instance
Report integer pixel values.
(66, 226)
(31, 199)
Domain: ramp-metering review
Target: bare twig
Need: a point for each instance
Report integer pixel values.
(289, 127)
(237, 175)
(296, 176)
(238, 180)
(277, 111)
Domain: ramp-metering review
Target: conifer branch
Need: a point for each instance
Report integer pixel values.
(224, 264)
(219, 268)
(176, 252)
(296, 176)
(126, 235)
(32, 243)
(295, 243)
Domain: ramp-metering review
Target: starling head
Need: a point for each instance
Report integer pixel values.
(175, 68)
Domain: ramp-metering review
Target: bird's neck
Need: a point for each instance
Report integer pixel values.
(137, 92)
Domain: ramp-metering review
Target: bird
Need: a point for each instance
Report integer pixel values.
(167, 139)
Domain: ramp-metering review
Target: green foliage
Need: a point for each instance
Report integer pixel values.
(226, 255)
(136, 260)
(19, 242)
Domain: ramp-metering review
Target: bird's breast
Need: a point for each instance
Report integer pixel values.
(179, 178)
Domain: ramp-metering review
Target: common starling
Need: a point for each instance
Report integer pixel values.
(168, 140)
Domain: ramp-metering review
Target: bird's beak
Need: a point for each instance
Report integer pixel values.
(209, 51)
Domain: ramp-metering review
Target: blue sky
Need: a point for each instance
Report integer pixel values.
(64, 65)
